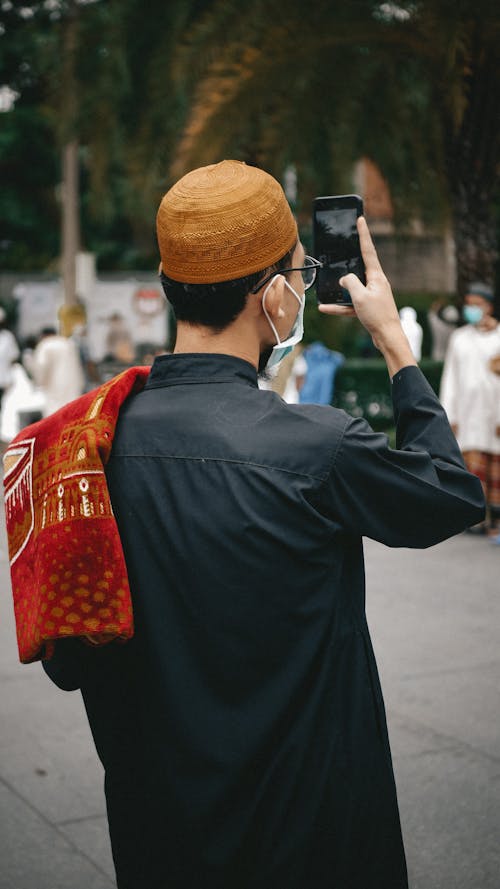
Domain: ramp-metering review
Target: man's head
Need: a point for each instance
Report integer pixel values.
(480, 295)
(220, 229)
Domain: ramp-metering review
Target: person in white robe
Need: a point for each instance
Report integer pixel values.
(470, 394)
(9, 352)
(23, 403)
(412, 329)
(57, 370)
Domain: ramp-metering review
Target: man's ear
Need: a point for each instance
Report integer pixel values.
(274, 297)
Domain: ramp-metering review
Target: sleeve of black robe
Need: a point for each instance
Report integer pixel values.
(414, 495)
(75, 662)
(66, 665)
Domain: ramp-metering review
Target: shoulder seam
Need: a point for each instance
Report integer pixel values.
(215, 460)
(339, 445)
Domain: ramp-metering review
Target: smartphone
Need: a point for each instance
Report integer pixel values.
(336, 245)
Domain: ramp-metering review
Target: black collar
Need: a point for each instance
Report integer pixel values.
(200, 367)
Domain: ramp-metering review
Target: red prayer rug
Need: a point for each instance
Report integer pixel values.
(68, 570)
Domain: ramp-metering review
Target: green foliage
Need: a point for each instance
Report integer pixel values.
(151, 90)
(363, 389)
(348, 336)
(101, 72)
(414, 86)
(28, 206)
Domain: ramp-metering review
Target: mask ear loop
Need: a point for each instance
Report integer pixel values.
(271, 323)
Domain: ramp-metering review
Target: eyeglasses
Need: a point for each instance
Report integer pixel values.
(308, 271)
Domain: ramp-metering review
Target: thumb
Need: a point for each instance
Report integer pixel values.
(353, 285)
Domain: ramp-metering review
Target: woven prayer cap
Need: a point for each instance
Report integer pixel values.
(223, 222)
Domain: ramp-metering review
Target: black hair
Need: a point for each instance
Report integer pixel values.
(215, 305)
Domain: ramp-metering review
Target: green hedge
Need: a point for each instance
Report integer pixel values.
(363, 389)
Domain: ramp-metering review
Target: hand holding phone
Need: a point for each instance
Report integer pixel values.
(336, 245)
(374, 305)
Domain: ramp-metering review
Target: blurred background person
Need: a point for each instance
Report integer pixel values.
(442, 319)
(321, 365)
(23, 403)
(119, 345)
(57, 370)
(90, 370)
(413, 330)
(495, 368)
(296, 379)
(28, 346)
(470, 394)
(9, 352)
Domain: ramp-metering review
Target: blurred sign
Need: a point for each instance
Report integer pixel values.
(148, 301)
(124, 310)
(38, 303)
(121, 310)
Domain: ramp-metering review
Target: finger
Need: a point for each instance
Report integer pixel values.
(353, 285)
(333, 309)
(368, 252)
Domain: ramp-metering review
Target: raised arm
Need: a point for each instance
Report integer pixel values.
(375, 307)
(420, 492)
(415, 494)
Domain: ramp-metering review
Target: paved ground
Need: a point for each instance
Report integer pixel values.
(435, 624)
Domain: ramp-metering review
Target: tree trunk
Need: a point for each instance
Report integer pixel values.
(472, 151)
(475, 237)
(70, 221)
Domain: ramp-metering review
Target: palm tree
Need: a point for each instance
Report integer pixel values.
(98, 74)
(64, 53)
(414, 86)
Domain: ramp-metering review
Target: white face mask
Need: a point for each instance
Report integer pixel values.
(284, 347)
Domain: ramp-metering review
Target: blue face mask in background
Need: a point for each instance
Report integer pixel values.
(472, 314)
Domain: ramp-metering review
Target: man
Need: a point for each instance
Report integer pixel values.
(470, 393)
(57, 370)
(242, 729)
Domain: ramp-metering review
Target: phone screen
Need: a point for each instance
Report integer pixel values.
(336, 245)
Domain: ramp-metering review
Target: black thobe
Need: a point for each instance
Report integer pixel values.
(242, 730)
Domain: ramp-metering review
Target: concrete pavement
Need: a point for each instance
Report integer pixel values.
(435, 622)
(434, 617)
